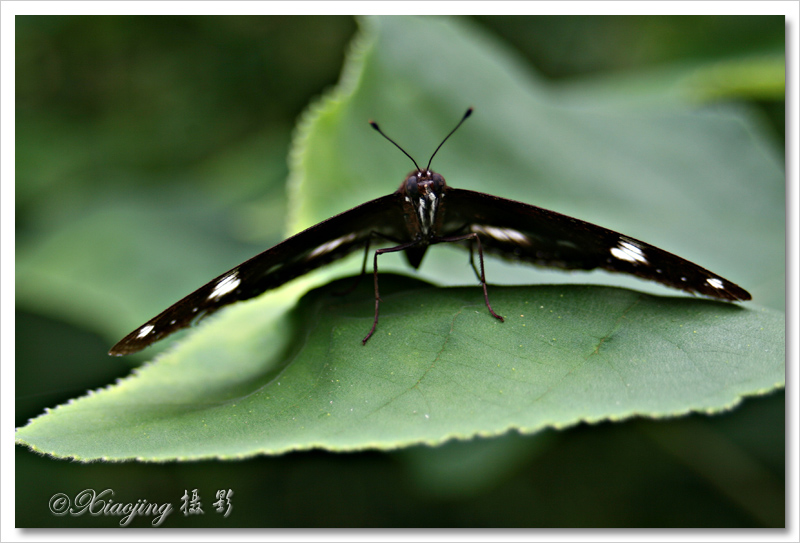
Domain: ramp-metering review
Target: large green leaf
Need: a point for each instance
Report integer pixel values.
(266, 376)
(438, 368)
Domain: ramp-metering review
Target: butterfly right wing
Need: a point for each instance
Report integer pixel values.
(316, 246)
(519, 231)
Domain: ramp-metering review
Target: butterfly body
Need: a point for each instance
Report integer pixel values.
(424, 202)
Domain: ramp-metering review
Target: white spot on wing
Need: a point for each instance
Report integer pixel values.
(225, 285)
(330, 246)
(146, 329)
(502, 234)
(567, 243)
(628, 251)
(714, 282)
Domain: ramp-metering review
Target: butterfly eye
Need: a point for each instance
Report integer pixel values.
(412, 188)
(438, 183)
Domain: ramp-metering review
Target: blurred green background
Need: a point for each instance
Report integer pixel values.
(190, 119)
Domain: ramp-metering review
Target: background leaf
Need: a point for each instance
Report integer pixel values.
(691, 181)
(491, 474)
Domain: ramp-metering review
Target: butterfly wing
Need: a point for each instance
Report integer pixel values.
(321, 244)
(519, 231)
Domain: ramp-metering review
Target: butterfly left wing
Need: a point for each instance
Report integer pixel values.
(325, 242)
(519, 231)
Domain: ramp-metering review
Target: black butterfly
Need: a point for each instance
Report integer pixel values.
(425, 211)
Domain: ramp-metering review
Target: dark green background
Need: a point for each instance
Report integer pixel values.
(147, 105)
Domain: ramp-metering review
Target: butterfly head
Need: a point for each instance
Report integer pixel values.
(423, 184)
(423, 191)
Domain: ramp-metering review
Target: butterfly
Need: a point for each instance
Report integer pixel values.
(425, 211)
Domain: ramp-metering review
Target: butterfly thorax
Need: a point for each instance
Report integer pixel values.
(423, 193)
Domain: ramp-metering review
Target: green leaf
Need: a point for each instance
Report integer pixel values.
(270, 375)
(439, 367)
(758, 77)
(754, 76)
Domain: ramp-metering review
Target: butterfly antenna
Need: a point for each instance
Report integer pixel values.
(464, 118)
(375, 126)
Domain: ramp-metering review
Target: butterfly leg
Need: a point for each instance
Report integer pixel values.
(401, 247)
(482, 276)
(357, 282)
(472, 263)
